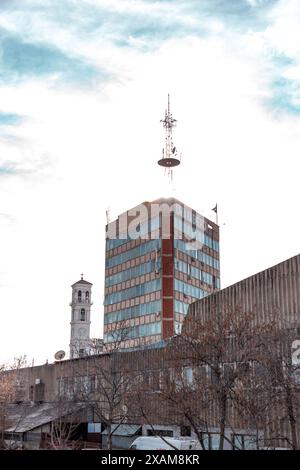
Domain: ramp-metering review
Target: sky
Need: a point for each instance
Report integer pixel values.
(83, 86)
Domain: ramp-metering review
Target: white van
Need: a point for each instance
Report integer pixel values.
(157, 443)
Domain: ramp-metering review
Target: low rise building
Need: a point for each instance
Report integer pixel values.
(153, 385)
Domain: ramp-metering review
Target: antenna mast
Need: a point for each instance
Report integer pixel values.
(169, 154)
(107, 215)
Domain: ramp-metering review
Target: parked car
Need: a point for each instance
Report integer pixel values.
(157, 443)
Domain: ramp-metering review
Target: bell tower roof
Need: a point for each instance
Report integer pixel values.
(81, 281)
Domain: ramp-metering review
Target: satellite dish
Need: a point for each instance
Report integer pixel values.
(59, 355)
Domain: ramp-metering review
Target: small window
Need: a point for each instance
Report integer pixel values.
(160, 432)
(244, 442)
(82, 314)
(185, 431)
(188, 271)
(81, 352)
(188, 375)
(94, 428)
(87, 296)
(92, 383)
(211, 441)
(194, 220)
(79, 296)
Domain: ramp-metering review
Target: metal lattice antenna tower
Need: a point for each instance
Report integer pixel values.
(169, 154)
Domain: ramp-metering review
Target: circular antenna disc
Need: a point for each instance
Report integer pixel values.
(168, 162)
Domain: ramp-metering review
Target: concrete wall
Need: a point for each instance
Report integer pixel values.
(275, 291)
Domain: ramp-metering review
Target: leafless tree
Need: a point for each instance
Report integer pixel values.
(112, 384)
(66, 422)
(219, 348)
(104, 382)
(280, 373)
(11, 387)
(163, 393)
(6, 396)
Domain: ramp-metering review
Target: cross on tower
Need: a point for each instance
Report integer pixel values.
(81, 276)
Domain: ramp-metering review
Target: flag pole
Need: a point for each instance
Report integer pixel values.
(215, 209)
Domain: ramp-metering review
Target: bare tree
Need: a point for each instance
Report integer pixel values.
(203, 370)
(254, 402)
(7, 392)
(71, 403)
(186, 391)
(11, 387)
(280, 373)
(222, 344)
(63, 427)
(164, 392)
(104, 382)
(112, 384)
(119, 333)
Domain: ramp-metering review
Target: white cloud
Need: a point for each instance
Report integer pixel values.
(254, 3)
(283, 31)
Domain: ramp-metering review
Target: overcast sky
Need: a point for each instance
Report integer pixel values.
(83, 86)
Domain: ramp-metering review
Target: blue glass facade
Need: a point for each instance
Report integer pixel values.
(189, 290)
(188, 230)
(197, 273)
(150, 280)
(133, 273)
(133, 312)
(131, 292)
(139, 331)
(130, 273)
(197, 254)
(142, 249)
(181, 307)
(196, 260)
(145, 230)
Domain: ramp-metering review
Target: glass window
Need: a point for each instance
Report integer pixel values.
(132, 312)
(145, 247)
(215, 441)
(211, 441)
(197, 254)
(188, 375)
(188, 289)
(82, 314)
(185, 431)
(244, 442)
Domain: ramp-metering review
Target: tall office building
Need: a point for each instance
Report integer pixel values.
(160, 256)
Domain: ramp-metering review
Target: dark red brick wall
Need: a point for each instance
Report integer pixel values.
(168, 283)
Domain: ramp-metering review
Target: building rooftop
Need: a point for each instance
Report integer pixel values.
(25, 417)
(170, 201)
(81, 281)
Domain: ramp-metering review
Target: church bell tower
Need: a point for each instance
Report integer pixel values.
(80, 342)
